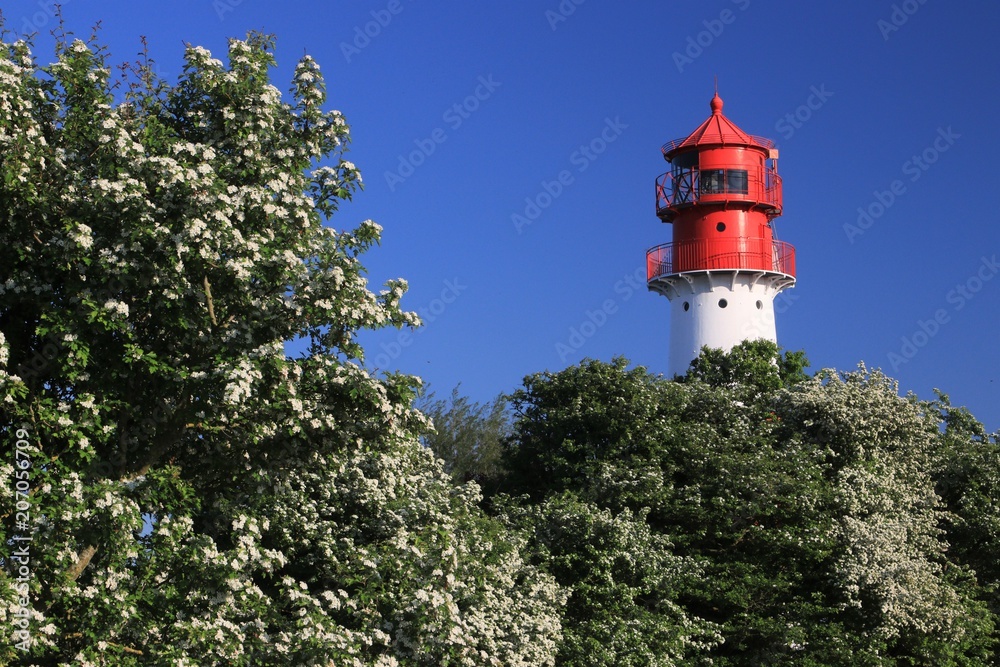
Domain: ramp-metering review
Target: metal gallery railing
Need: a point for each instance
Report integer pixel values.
(720, 254)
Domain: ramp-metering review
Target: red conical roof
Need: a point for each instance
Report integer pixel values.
(717, 130)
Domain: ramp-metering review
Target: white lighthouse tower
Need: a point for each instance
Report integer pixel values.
(723, 267)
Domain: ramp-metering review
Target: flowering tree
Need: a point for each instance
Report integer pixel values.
(899, 596)
(967, 477)
(180, 491)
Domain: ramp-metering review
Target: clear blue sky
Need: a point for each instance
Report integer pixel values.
(536, 81)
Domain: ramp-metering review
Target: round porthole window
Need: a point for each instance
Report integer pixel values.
(687, 306)
(721, 227)
(723, 303)
(759, 305)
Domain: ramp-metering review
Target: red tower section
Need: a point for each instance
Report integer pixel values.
(721, 194)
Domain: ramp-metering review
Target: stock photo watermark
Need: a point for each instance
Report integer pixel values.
(699, 42)
(364, 34)
(562, 13)
(957, 298)
(898, 17)
(223, 7)
(428, 314)
(914, 167)
(48, 11)
(792, 121)
(581, 158)
(593, 320)
(20, 557)
(454, 116)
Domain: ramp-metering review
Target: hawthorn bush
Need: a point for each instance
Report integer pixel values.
(193, 495)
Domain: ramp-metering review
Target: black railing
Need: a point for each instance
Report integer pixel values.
(685, 187)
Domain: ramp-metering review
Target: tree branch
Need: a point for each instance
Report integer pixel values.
(82, 561)
(126, 649)
(211, 305)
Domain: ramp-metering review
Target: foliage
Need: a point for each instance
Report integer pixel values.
(467, 436)
(907, 601)
(586, 462)
(197, 496)
(966, 461)
(757, 363)
(625, 582)
(596, 429)
(798, 518)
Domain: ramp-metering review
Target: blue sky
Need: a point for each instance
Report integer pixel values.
(465, 114)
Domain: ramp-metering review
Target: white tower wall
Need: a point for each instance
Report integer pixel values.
(719, 309)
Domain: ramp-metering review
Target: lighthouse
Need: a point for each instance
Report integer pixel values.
(724, 266)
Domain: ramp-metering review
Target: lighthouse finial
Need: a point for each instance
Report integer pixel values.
(716, 105)
(716, 102)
